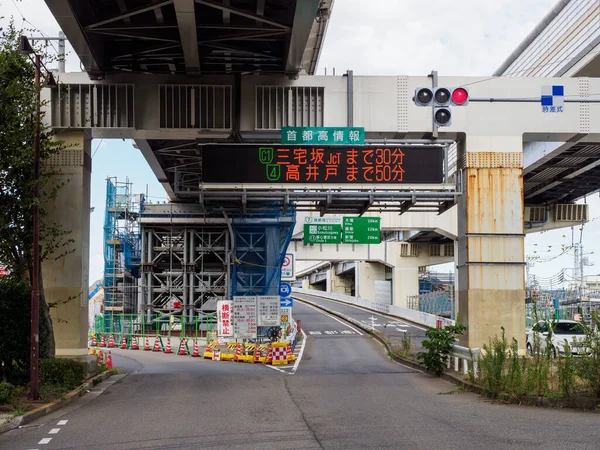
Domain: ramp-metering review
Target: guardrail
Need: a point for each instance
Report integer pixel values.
(462, 356)
(418, 317)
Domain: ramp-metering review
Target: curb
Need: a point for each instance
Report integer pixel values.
(53, 406)
(554, 402)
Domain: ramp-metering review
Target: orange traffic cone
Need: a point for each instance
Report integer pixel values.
(102, 341)
(168, 349)
(208, 351)
(111, 342)
(156, 346)
(94, 342)
(269, 359)
(195, 354)
(147, 345)
(182, 348)
(134, 345)
(257, 354)
(238, 352)
(124, 343)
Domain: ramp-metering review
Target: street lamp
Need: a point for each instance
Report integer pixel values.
(25, 48)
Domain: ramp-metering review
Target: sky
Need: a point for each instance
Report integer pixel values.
(389, 37)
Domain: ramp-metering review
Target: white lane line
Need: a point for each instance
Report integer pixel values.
(301, 351)
(278, 369)
(54, 431)
(369, 310)
(334, 318)
(45, 441)
(62, 422)
(401, 331)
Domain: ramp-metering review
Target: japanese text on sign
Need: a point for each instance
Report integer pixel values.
(361, 230)
(322, 135)
(268, 311)
(244, 317)
(225, 318)
(313, 164)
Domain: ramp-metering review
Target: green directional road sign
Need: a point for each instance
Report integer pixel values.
(322, 135)
(361, 230)
(322, 230)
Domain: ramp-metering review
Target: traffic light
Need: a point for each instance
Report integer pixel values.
(441, 98)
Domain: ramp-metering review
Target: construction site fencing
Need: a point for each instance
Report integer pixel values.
(204, 325)
(437, 303)
(534, 314)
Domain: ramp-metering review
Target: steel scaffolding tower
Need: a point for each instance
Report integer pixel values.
(191, 259)
(121, 251)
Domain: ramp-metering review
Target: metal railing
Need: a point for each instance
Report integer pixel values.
(439, 303)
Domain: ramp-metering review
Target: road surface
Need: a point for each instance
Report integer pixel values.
(345, 394)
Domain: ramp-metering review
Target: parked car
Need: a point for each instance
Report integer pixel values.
(560, 331)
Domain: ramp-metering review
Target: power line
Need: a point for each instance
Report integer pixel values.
(97, 147)
(36, 28)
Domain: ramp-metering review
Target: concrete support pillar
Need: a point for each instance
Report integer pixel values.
(366, 275)
(306, 283)
(338, 284)
(490, 278)
(405, 282)
(66, 279)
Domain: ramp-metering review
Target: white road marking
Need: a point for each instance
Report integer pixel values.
(45, 441)
(54, 431)
(62, 422)
(277, 368)
(314, 332)
(401, 331)
(301, 352)
(334, 318)
(371, 311)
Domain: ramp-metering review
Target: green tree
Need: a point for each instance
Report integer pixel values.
(17, 124)
(439, 345)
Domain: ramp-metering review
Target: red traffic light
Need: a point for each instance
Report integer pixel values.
(460, 96)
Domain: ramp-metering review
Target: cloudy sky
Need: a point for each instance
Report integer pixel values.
(379, 37)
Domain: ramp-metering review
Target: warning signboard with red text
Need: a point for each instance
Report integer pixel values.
(225, 318)
(287, 268)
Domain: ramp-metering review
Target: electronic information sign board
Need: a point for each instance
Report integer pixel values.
(326, 164)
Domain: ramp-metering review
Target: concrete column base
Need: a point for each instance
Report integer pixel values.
(66, 280)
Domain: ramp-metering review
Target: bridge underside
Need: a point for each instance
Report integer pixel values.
(564, 177)
(194, 36)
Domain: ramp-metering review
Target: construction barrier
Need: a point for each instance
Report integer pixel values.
(276, 353)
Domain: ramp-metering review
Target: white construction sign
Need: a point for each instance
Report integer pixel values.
(287, 268)
(244, 317)
(268, 310)
(225, 318)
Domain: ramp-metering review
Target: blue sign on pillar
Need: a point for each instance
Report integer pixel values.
(286, 302)
(285, 289)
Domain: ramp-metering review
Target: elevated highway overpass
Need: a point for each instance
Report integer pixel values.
(197, 98)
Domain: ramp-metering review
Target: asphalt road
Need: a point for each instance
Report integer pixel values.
(345, 394)
(390, 326)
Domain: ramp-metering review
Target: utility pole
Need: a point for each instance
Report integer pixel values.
(35, 287)
(25, 48)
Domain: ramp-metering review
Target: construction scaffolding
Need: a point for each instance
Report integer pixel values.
(190, 260)
(121, 251)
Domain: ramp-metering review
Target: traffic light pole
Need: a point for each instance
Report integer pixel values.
(434, 84)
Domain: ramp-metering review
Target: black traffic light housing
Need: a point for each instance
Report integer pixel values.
(441, 99)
